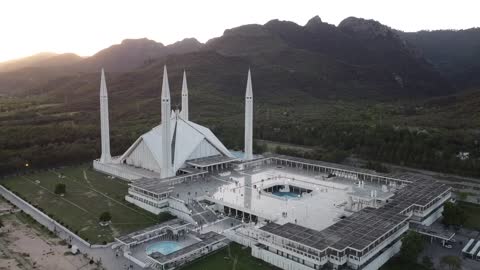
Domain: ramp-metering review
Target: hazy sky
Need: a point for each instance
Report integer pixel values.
(86, 26)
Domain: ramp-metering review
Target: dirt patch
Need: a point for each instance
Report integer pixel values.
(25, 245)
(10, 264)
(91, 194)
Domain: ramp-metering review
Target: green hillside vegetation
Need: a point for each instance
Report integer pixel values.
(456, 53)
(422, 136)
(353, 89)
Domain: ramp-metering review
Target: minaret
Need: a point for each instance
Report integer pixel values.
(166, 166)
(104, 123)
(184, 113)
(248, 119)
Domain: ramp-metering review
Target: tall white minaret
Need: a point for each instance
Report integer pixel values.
(248, 119)
(166, 166)
(184, 113)
(104, 123)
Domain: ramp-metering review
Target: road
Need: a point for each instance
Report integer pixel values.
(436, 251)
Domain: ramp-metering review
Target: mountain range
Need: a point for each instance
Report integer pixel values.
(357, 59)
(455, 53)
(358, 88)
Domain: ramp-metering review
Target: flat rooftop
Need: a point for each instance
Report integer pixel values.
(319, 219)
(364, 227)
(132, 237)
(164, 185)
(325, 164)
(404, 177)
(210, 161)
(356, 231)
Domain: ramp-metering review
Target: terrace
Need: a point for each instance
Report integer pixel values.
(360, 233)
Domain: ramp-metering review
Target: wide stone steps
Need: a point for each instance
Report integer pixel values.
(200, 214)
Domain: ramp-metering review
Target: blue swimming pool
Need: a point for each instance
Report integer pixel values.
(164, 247)
(286, 194)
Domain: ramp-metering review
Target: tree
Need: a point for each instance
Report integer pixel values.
(412, 245)
(105, 217)
(427, 262)
(462, 196)
(452, 262)
(377, 166)
(453, 214)
(60, 188)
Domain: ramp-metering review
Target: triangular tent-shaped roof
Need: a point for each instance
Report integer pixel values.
(189, 141)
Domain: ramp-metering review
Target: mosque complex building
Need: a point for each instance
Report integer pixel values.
(293, 213)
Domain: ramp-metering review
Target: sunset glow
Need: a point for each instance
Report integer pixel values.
(85, 27)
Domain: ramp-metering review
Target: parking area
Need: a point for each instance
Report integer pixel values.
(435, 250)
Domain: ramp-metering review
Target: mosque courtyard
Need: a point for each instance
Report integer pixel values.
(281, 194)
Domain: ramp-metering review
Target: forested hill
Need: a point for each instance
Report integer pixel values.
(359, 58)
(356, 59)
(456, 53)
(358, 88)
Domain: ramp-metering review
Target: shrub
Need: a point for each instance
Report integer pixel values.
(412, 245)
(105, 217)
(60, 188)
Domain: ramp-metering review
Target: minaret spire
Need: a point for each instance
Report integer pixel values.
(184, 113)
(104, 122)
(248, 119)
(166, 166)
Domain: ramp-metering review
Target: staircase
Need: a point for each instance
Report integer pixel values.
(200, 214)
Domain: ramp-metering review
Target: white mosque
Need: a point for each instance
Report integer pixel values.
(168, 147)
(293, 213)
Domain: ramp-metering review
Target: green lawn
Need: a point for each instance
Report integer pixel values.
(240, 259)
(396, 264)
(473, 214)
(271, 146)
(88, 194)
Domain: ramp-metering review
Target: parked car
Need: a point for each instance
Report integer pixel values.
(448, 246)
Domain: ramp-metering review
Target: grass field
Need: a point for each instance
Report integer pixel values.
(88, 194)
(238, 258)
(473, 215)
(396, 264)
(271, 146)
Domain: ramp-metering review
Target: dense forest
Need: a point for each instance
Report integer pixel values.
(69, 138)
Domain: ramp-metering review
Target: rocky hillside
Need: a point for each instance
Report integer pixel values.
(358, 59)
(41, 60)
(133, 53)
(455, 53)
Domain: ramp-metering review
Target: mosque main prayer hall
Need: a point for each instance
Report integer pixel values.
(293, 213)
